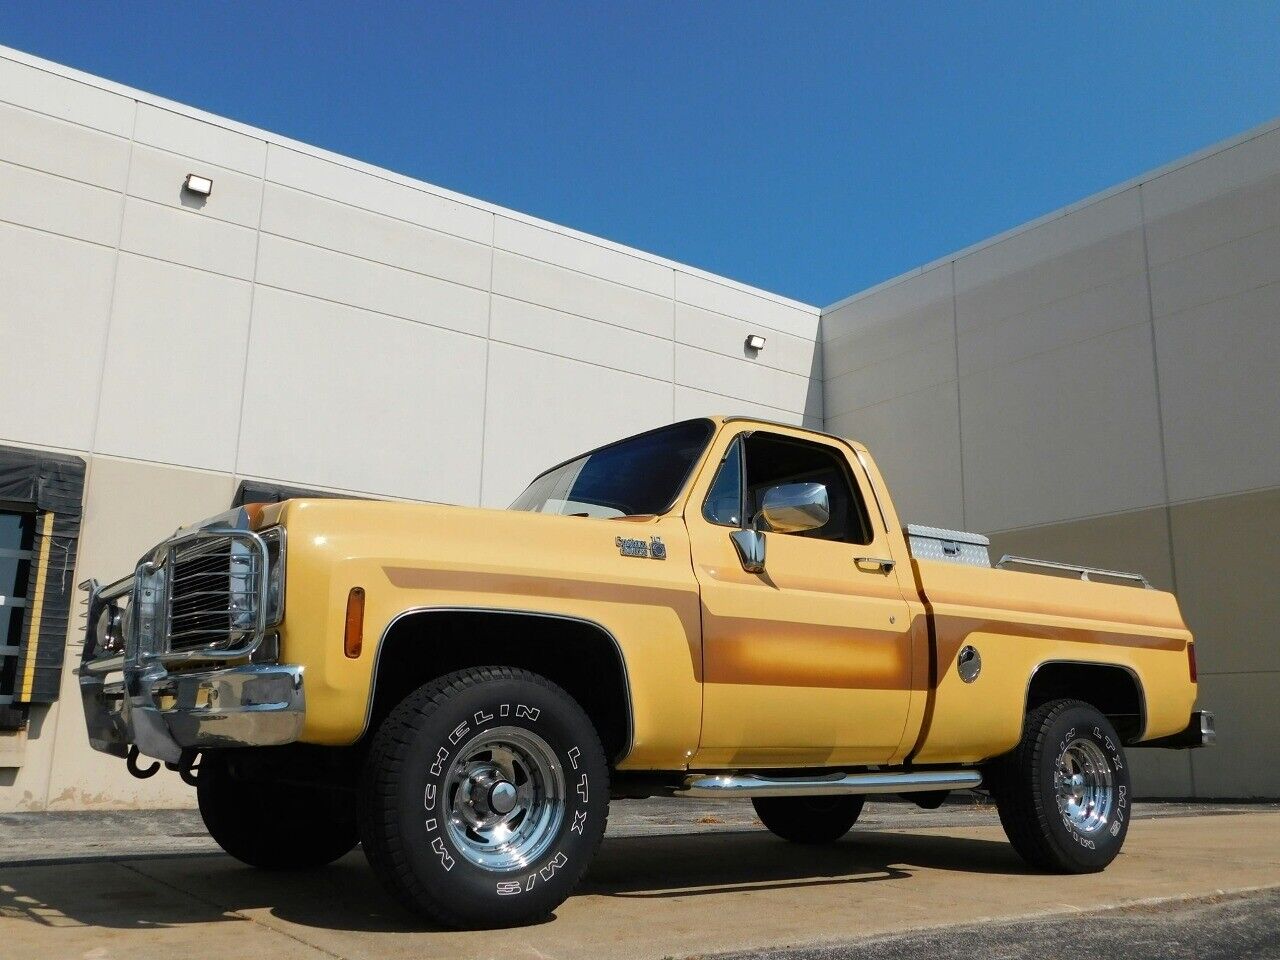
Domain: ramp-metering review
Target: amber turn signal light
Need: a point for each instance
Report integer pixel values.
(353, 636)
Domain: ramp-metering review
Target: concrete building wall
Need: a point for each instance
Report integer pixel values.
(315, 322)
(1099, 387)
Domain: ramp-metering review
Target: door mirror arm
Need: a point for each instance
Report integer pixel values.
(750, 543)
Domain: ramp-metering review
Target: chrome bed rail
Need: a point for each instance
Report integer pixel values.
(1084, 573)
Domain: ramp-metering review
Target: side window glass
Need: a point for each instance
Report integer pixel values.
(723, 505)
(773, 460)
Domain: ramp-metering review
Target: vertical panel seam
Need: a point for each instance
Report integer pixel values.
(1164, 454)
(1155, 371)
(673, 345)
(488, 350)
(111, 296)
(955, 342)
(55, 712)
(248, 330)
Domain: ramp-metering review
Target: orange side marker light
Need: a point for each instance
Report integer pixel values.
(353, 636)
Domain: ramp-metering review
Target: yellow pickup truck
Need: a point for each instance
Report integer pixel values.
(723, 607)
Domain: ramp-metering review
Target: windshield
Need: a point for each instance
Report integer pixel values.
(640, 475)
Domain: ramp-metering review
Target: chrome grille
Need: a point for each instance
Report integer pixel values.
(215, 588)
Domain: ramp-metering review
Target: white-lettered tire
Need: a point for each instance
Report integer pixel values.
(1064, 793)
(811, 820)
(484, 798)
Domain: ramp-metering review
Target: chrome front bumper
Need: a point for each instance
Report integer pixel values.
(164, 713)
(141, 689)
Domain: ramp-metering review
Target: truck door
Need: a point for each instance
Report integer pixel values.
(807, 662)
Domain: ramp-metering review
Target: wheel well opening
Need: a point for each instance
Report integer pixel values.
(579, 656)
(1113, 690)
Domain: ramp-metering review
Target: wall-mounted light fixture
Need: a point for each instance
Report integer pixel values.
(755, 342)
(201, 186)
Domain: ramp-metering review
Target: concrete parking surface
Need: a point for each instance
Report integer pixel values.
(673, 879)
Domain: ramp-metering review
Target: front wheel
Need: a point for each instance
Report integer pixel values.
(484, 798)
(809, 819)
(1064, 793)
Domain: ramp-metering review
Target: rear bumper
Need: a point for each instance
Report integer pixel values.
(1200, 732)
(164, 713)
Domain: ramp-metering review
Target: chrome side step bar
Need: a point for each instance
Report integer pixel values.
(753, 785)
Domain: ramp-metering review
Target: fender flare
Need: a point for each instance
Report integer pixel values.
(509, 612)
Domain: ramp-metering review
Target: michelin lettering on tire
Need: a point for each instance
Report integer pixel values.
(432, 800)
(486, 795)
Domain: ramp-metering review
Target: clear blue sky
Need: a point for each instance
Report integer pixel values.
(811, 149)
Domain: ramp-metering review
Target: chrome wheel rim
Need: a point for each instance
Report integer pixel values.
(504, 795)
(1085, 786)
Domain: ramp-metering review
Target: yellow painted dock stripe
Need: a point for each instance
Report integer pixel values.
(37, 606)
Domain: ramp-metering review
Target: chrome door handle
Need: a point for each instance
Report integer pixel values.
(880, 562)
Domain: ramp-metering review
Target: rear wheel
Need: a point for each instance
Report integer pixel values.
(273, 825)
(484, 798)
(1064, 793)
(809, 819)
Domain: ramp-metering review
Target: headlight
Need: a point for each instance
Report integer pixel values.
(108, 632)
(274, 539)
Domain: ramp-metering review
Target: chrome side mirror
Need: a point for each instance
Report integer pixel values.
(792, 507)
(787, 508)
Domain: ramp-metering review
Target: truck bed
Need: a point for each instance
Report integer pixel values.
(1017, 621)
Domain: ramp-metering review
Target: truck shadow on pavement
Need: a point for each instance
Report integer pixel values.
(161, 892)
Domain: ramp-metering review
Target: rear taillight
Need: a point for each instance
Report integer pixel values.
(1191, 661)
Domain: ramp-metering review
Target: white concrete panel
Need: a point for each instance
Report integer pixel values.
(53, 322)
(1063, 435)
(347, 185)
(1227, 554)
(1228, 216)
(698, 403)
(544, 409)
(1111, 306)
(1061, 258)
(187, 237)
(46, 202)
(398, 243)
(585, 256)
(65, 98)
(747, 380)
(1245, 762)
(1161, 773)
(1219, 394)
(718, 333)
(567, 335)
(915, 441)
(570, 292)
(200, 140)
(371, 286)
(158, 176)
(1221, 173)
(931, 363)
(34, 140)
(350, 399)
(761, 308)
(877, 318)
(1221, 271)
(175, 365)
